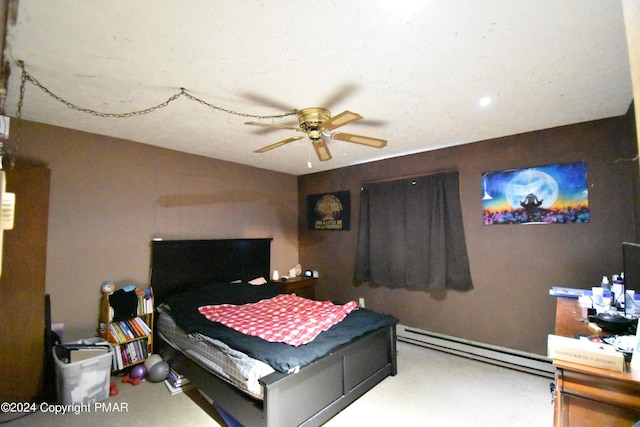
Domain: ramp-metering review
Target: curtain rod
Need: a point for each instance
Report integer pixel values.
(400, 178)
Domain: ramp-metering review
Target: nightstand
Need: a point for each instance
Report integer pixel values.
(302, 286)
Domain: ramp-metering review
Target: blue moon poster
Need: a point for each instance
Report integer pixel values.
(551, 194)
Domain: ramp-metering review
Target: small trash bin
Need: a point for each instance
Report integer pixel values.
(85, 380)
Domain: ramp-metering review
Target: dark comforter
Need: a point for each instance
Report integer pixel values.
(282, 357)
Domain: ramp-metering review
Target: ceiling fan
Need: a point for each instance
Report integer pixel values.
(317, 123)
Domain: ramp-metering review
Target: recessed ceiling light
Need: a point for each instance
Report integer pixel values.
(484, 101)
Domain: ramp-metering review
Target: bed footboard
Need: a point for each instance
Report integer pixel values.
(309, 397)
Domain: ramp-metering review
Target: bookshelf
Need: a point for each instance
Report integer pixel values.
(132, 334)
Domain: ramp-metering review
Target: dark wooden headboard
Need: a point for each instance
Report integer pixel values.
(178, 263)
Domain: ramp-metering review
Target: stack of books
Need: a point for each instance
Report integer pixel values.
(129, 353)
(177, 383)
(145, 301)
(129, 329)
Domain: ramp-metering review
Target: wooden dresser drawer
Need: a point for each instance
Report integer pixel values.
(301, 286)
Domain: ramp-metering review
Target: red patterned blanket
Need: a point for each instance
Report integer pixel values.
(285, 318)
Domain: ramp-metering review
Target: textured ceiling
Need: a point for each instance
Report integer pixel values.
(414, 70)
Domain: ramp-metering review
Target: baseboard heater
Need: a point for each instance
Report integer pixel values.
(514, 359)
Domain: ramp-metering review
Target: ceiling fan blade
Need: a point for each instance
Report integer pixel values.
(278, 144)
(358, 139)
(273, 126)
(340, 120)
(322, 150)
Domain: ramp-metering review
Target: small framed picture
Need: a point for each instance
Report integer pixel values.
(329, 211)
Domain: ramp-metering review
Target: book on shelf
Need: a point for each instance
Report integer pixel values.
(116, 334)
(131, 330)
(135, 327)
(143, 326)
(124, 325)
(129, 353)
(125, 330)
(117, 363)
(145, 301)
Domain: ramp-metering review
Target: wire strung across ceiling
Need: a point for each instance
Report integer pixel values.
(316, 123)
(183, 92)
(26, 77)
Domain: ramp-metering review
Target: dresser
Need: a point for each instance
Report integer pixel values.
(587, 396)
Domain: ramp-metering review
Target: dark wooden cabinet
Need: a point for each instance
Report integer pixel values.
(22, 286)
(304, 287)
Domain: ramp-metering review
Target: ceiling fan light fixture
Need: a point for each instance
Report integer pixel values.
(314, 133)
(317, 122)
(313, 117)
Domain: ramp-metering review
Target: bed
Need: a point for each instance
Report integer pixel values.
(304, 392)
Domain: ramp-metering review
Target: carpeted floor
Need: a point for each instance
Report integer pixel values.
(431, 388)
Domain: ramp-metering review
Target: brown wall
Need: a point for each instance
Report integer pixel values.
(512, 266)
(110, 197)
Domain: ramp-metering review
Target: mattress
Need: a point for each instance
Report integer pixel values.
(231, 365)
(280, 356)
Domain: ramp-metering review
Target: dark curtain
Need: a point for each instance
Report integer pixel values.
(411, 235)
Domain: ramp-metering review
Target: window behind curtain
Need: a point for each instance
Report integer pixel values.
(411, 236)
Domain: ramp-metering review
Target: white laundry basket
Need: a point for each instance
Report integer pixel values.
(84, 381)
